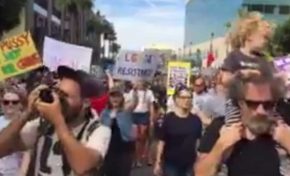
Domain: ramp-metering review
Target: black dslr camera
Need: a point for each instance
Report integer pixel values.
(45, 95)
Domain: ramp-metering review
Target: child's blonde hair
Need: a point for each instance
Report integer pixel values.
(246, 26)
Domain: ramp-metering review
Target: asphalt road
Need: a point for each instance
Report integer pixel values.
(145, 171)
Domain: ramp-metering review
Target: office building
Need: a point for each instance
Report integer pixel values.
(276, 11)
(34, 18)
(206, 17)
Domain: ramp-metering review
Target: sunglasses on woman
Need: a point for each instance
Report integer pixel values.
(10, 102)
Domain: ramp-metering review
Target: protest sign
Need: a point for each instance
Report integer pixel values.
(178, 72)
(56, 53)
(18, 55)
(133, 66)
(282, 64)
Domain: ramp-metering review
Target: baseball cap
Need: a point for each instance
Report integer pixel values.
(117, 91)
(90, 87)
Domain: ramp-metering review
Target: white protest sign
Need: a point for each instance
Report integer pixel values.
(133, 66)
(56, 53)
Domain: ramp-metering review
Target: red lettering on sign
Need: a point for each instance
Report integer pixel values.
(28, 61)
(134, 57)
(15, 42)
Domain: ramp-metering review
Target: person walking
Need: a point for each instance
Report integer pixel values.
(176, 150)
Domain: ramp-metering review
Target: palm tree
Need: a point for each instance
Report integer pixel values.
(49, 16)
(76, 10)
(95, 29)
(84, 6)
(115, 49)
(109, 34)
(62, 5)
(228, 26)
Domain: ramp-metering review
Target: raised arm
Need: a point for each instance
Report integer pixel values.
(20, 134)
(81, 158)
(10, 138)
(111, 83)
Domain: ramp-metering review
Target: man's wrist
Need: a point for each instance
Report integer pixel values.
(221, 145)
(59, 122)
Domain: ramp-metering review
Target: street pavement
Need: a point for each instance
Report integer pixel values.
(145, 171)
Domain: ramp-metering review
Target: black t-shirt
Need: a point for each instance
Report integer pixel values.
(117, 145)
(180, 136)
(248, 158)
(158, 127)
(236, 60)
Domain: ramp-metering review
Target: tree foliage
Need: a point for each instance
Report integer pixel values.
(115, 47)
(9, 14)
(280, 42)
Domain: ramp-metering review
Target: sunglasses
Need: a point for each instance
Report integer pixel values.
(10, 102)
(267, 105)
(185, 97)
(198, 85)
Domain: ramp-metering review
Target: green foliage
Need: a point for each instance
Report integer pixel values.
(72, 5)
(94, 25)
(115, 47)
(280, 42)
(9, 14)
(99, 25)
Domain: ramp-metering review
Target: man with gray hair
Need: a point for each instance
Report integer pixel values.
(248, 147)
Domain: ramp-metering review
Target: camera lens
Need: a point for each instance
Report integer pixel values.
(45, 95)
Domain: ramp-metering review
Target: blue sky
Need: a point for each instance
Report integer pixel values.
(141, 23)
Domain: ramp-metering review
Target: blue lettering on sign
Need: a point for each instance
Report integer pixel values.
(134, 72)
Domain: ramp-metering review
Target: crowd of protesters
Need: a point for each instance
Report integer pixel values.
(69, 122)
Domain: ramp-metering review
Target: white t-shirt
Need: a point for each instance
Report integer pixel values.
(170, 104)
(97, 139)
(145, 98)
(9, 165)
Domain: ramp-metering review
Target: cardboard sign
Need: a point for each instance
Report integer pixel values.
(282, 63)
(56, 53)
(133, 66)
(178, 72)
(18, 55)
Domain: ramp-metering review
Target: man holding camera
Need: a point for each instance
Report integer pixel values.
(66, 139)
(248, 148)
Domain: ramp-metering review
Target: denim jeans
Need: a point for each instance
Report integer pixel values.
(172, 170)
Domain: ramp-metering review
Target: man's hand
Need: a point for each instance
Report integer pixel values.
(50, 111)
(230, 135)
(281, 134)
(33, 96)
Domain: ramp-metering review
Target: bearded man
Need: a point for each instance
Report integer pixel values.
(249, 147)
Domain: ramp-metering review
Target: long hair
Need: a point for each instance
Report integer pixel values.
(121, 106)
(246, 26)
